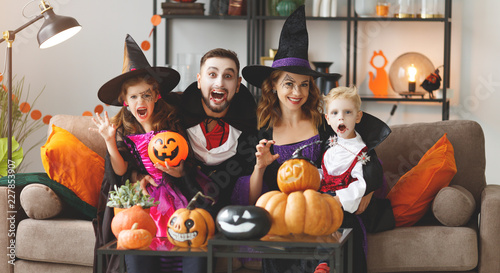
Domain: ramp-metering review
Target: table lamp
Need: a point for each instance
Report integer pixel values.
(408, 71)
(54, 30)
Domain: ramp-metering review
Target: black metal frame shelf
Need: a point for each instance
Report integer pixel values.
(446, 20)
(256, 28)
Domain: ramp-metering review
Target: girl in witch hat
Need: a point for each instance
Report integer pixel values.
(289, 116)
(140, 91)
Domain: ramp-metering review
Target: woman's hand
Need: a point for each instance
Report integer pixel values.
(176, 171)
(263, 155)
(104, 127)
(364, 203)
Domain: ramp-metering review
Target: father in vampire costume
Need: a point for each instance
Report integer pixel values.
(218, 113)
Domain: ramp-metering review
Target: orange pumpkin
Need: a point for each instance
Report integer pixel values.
(136, 214)
(298, 174)
(169, 147)
(190, 226)
(302, 212)
(134, 238)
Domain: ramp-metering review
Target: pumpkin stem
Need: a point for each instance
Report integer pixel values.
(134, 226)
(191, 205)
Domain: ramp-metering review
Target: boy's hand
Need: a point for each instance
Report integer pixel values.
(364, 203)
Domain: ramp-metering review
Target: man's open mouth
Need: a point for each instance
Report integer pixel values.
(218, 96)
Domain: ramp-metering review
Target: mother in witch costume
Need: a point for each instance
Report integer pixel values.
(289, 116)
(140, 92)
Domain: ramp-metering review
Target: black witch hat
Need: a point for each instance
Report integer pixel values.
(134, 64)
(292, 55)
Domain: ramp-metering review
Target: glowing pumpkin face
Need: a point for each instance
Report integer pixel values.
(297, 174)
(169, 147)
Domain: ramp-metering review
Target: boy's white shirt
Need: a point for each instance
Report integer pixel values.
(337, 160)
(216, 155)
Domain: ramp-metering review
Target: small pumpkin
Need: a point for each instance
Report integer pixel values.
(169, 147)
(302, 212)
(190, 226)
(298, 174)
(134, 238)
(243, 222)
(126, 218)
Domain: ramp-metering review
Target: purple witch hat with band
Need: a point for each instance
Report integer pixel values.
(292, 55)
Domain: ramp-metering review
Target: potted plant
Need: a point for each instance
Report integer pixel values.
(128, 196)
(25, 122)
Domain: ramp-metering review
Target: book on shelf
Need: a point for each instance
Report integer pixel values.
(183, 11)
(182, 5)
(183, 8)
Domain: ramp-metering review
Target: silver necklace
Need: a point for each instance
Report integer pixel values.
(363, 157)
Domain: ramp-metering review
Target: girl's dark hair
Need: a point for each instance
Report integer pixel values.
(269, 111)
(164, 117)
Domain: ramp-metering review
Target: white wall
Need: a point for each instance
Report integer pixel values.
(72, 72)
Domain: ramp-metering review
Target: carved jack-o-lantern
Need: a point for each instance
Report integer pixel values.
(169, 147)
(297, 174)
(191, 227)
(243, 222)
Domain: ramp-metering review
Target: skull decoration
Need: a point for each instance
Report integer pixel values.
(169, 147)
(243, 222)
(190, 226)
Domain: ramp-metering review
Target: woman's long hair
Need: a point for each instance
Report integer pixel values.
(269, 111)
(164, 116)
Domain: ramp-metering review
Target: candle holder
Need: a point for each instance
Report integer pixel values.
(324, 85)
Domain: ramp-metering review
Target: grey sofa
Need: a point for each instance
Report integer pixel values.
(67, 245)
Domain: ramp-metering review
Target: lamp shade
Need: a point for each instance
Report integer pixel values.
(56, 29)
(412, 62)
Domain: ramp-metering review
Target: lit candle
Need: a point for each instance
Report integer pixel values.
(412, 72)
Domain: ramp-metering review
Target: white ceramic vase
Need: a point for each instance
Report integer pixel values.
(365, 8)
(333, 8)
(324, 10)
(316, 5)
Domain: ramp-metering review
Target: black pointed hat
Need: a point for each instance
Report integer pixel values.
(292, 55)
(135, 63)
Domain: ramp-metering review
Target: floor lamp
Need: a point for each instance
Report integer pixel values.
(54, 30)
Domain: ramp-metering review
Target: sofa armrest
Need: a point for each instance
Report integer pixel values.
(9, 226)
(489, 235)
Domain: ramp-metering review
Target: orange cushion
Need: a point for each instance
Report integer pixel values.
(412, 195)
(68, 161)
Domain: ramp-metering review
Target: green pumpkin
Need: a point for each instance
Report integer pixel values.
(286, 7)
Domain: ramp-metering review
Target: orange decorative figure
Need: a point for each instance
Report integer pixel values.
(379, 84)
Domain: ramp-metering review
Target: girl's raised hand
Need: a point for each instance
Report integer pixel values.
(263, 155)
(104, 127)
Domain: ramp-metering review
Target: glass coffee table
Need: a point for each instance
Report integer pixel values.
(159, 247)
(336, 248)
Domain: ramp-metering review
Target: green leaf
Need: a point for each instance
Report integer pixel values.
(17, 155)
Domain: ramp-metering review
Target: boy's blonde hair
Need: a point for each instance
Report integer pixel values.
(344, 92)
